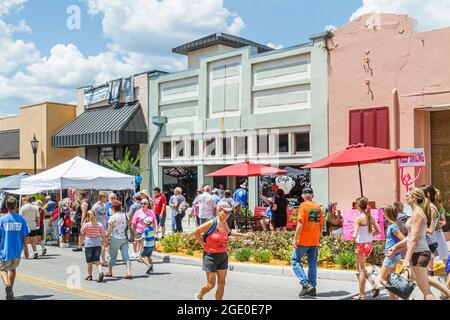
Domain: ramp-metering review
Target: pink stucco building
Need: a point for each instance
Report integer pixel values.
(389, 86)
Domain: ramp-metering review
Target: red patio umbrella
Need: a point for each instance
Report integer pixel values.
(358, 154)
(247, 169)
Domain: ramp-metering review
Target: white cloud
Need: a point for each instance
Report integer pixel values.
(7, 6)
(430, 14)
(154, 26)
(330, 27)
(275, 46)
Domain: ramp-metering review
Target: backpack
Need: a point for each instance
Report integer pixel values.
(182, 207)
(211, 230)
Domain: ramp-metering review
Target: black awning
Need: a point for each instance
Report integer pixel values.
(109, 125)
(10, 144)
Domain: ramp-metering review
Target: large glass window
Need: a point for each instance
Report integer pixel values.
(226, 146)
(194, 148)
(184, 177)
(302, 142)
(210, 145)
(179, 148)
(106, 153)
(283, 143)
(167, 150)
(242, 146)
(263, 144)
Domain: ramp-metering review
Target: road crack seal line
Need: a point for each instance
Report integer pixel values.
(83, 292)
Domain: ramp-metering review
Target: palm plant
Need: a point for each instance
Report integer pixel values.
(127, 165)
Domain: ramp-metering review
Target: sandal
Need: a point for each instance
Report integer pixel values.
(88, 278)
(358, 297)
(375, 293)
(108, 275)
(128, 277)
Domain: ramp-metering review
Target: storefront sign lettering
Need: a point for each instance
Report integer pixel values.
(286, 183)
(96, 93)
(418, 160)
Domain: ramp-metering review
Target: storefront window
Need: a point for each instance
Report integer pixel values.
(167, 150)
(263, 144)
(242, 146)
(179, 149)
(194, 148)
(106, 153)
(183, 177)
(292, 184)
(283, 143)
(210, 145)
(226, 146)
(302, 142)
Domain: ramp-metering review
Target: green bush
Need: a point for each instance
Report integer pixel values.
(346, 260)
(285, 254)
(243, 254)
(189, 242)
(189, 252)
(325, 254)
(377, 256)
(262, 256)
(172, 242)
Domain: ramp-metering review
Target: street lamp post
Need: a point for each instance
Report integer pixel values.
(34, 146)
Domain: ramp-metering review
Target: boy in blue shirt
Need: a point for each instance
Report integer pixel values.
(149, 244)
(13, 231)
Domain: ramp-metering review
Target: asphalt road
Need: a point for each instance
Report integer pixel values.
(60, 275)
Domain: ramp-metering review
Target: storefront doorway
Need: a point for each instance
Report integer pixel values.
(440, 155)
(183, 177)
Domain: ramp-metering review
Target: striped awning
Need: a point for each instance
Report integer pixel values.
(10, 144)
(108, 125)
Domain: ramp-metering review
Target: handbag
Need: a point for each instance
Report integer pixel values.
(400, 286)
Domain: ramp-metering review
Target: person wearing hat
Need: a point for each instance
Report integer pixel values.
(148, 239)
(240, 195)
(214, 243)
(306, 241)
(138, 225)
(145, 194)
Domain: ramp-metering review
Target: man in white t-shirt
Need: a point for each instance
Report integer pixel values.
(206, 205)
(31, 215)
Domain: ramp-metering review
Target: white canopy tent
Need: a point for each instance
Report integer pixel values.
(77, 173)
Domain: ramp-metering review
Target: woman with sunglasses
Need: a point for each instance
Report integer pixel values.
(214, 243)
(138, 225)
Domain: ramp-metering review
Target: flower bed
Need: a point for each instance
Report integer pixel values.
(275, 248)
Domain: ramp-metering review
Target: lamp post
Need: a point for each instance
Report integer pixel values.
(34, 146)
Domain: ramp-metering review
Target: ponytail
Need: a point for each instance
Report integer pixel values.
(91, 217)
(363, 205)
(423, 202)
(427, 210)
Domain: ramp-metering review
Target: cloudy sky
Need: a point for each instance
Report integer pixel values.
(46, 52)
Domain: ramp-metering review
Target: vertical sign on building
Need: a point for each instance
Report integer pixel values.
(114, 97)
(128, 89)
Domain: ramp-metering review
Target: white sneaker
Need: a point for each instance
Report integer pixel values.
(197, 297)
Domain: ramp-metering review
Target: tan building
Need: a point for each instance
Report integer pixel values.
(104, 130)
(16, 133)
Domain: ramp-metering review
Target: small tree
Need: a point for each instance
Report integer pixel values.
(127, 165)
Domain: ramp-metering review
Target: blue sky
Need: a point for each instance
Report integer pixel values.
(41, 59)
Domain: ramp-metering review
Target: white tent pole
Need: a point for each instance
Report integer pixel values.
(60, 194)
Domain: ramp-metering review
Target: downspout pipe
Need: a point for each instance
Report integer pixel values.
(159, 122)
(396, 145)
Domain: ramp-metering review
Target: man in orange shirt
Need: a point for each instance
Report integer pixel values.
(306, 241)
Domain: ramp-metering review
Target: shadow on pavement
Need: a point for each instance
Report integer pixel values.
(331, 294)
(33, 297)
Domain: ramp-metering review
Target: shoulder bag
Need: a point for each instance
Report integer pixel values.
(400, 286)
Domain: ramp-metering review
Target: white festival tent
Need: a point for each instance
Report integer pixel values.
(77, 173)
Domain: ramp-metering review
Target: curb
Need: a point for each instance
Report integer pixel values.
(325, 274)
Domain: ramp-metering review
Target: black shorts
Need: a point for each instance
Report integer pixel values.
(147, 252)
(279, 221)
(421, 259)
(41, 232)
(92, 254)
(215, 261)
(433, 247)
(34, 233)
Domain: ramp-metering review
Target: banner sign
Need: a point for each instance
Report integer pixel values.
(114, 97)
(96, 93)
(415, 161)
(128, 89)
(349, 223)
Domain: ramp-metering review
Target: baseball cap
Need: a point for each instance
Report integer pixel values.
(307, 190)
(225, 206)
(137, 195)
(148, 220)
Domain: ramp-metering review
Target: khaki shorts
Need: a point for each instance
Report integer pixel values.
(10, 265)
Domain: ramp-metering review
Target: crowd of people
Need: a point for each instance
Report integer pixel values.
(107, 227)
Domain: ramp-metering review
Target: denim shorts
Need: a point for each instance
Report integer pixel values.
(147, 252)
(92, 254)
(391, 262)
(161, 220)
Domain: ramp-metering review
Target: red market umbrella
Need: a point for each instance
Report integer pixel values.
(247, 169)
(357, 154)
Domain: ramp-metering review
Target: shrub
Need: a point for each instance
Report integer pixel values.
(346, 260)
(172, 243)
(285, 255)
(243, 254)
(189, 252)
(325, 254)
(189, 242)
(377, 255)
(262, 256)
